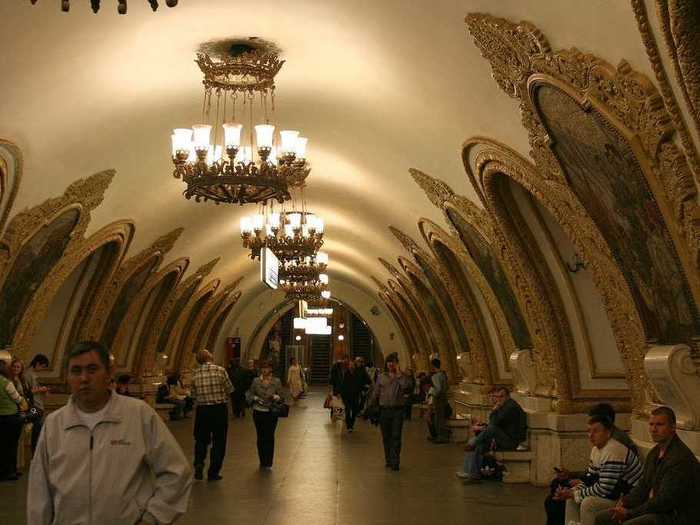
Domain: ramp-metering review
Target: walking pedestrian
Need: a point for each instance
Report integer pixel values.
(390, 395)
(351, 388)
(295, 379)
(210, 389)
(11, 403)
(265, 391)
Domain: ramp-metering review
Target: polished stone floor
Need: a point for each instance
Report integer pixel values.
(325, 476)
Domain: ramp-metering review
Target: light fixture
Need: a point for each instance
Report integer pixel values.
(121, 5)
(291, 235)
(309, 268)
(297, 338)
(236, 85)
(341, 337)
(304, 290)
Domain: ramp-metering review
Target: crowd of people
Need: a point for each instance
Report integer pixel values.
(142, 475)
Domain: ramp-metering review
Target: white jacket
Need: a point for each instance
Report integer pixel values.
(129, 468)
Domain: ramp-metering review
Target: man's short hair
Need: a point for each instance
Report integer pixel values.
(393, 357)
(203, 356)
(603, 409)
(436, 363)
(84, 347)
(503, 389)
(665, 411)
(39, 359)
(603, 420)
(123, 379)
(266, 364)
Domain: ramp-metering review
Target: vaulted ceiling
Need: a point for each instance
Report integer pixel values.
(378, 87)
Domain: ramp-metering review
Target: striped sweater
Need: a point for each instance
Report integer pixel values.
(613, 470)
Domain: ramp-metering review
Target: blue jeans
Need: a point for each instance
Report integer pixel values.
(482, 443)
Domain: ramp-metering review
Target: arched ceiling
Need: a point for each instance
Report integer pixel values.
(378, 87)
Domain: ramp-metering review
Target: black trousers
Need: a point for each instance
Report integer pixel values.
(210, 426)
(391, 423)
(265, 426)
(238, 403)
(352, 409)
(36, 432)
(10, 432)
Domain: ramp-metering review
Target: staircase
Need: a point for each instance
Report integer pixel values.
(320, 359)
(361, 340)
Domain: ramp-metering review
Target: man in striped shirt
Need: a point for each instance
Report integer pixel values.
(612, 471)
(210, 389)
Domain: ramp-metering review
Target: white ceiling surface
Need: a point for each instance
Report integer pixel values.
(378, 87)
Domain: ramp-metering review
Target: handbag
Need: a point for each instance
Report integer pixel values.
(328, 403)
(279, 409)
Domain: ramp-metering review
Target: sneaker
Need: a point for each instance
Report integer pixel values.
(471, 479)
(215, 477)
(462, 475)
(350, 431)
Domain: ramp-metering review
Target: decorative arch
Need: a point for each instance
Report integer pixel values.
(11, 169)
(184, 333)
(414, 339)
(160, 331)
(35, 241)
(211, 334)
(144, 313)
(126, 284)
(622, 111)
(461, 268)
(437, 312)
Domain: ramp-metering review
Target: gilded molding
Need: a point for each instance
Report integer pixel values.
(521, 58)
(143, 362)
(84, 195)
(679, 22)
(493, 160)
(400, 322)
(11, 170)
(184, 333)
(166, 310)
(407, 298)
(118, 233)
(433, 235)
(110, 292)
(214, 331)
(229, 299)
(458, 302)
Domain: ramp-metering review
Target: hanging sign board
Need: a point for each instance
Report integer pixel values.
(269, 268)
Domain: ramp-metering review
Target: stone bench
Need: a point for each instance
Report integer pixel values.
(460, 428)
(518, 464)
(164, 409)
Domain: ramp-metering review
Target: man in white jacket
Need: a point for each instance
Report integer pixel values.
(105, 458)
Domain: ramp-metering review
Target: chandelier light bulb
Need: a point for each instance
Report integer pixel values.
(294, 220)
(301, 147)
(246, 226)
(263, 135)
(245, 155)
(323, 278)
(326, 294)
(319, 225)
(289, 141)
(214, 154)
(275, 220)
(182, 139)
(322, 258)
(201, 136)
(232, 134)
(289, 230)
(258, 222)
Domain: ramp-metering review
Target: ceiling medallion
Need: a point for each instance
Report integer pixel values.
(239, 85)
(121, 5)
(291, 235)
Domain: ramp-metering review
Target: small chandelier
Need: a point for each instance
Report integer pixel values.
(309, 268)
(290, 234)
(121, 7)
(243, 82)
(306, 290)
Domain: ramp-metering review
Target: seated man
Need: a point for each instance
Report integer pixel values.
(122, 386)
(612, 471)
(554, 506)
(668, 492)
(507, 426)
(172, 392)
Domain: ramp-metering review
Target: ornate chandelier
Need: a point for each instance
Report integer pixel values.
(239, 84)
(291, 235)
(121, 7)
(306, 290)
(309, 268)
